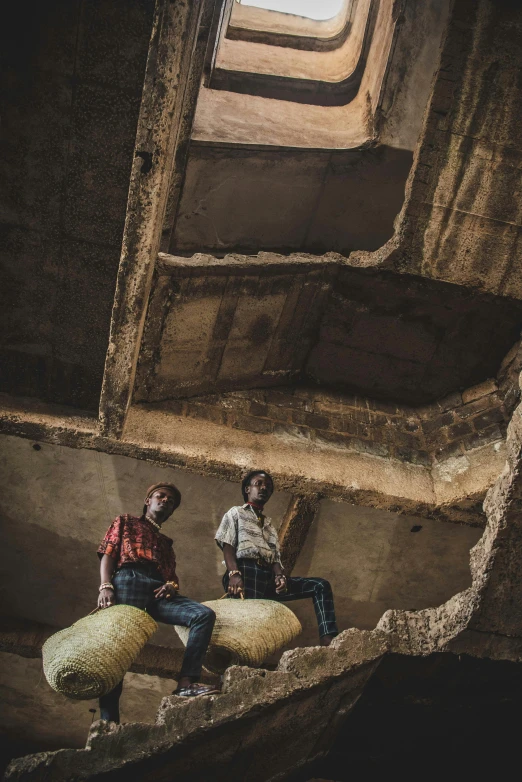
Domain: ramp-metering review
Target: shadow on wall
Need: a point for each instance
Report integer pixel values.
(288, 200)
(56, 506)
(376, 560)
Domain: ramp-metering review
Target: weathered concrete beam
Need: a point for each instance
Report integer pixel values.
(212, 26)
(157, 435)
(200, 263)
(164, 124)
(295, 527)
(24, 637)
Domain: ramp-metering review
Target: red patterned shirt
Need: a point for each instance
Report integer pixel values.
(133, 539)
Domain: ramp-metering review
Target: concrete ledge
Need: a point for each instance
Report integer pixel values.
(314, 686)
(451, 493)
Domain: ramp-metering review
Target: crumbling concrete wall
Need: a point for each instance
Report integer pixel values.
(487, 618)
(73, 75)
(264, 722)
(460, 222)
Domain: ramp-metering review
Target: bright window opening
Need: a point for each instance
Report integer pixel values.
(311, 9)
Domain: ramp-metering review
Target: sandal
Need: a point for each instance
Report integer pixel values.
(195, 689)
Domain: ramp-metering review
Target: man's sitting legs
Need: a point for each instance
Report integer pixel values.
(200, 620)
(258, 583)
(320, 590)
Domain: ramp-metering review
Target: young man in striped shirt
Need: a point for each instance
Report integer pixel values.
(250, 547)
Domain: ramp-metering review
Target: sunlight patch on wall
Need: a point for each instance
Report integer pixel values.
(311, 9)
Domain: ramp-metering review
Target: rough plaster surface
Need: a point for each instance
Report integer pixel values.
(459, 221)
(73, 79)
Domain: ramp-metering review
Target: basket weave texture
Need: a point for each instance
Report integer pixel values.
(246, 632)
(89, 658)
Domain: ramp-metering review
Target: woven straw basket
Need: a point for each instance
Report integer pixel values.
(89, 658)
(246, 632)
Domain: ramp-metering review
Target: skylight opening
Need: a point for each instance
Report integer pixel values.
(319, 10)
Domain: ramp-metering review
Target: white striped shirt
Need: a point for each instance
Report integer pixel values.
(241, 529)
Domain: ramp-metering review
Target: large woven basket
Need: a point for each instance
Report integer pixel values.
(246, 632)
(89, 658)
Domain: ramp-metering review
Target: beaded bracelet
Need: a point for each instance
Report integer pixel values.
(106, 585)
(234, 573)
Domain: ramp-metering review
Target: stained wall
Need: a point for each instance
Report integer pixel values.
(73, 75)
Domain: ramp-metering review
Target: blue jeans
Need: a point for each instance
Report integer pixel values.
(134, 586)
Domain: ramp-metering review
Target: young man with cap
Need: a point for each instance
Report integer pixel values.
(138, 568)
(250, 547)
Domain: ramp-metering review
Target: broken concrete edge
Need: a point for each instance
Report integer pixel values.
(203, 448)
(460, 625)
(247, 693)
(164, 99)
(171, 264)
(383, 258)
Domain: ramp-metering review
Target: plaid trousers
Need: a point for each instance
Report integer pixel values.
(258, 582)
(134, 586)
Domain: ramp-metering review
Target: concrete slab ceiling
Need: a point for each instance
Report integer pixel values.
(254, 323)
